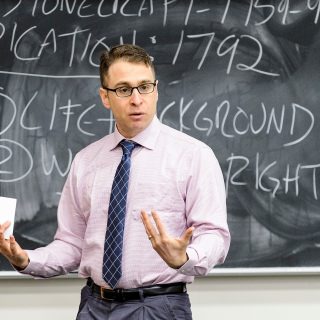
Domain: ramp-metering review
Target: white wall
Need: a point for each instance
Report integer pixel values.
(213, 297)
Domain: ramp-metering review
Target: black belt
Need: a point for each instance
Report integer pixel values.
(136, 293)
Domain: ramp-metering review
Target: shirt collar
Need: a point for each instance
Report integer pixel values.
(146, 138)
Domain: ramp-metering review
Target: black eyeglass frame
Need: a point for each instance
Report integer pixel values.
(132, 88)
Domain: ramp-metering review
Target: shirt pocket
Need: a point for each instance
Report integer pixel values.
(165, 200)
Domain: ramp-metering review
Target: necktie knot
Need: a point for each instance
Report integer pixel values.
(127, 147)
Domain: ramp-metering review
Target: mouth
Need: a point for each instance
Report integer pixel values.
(136, 115)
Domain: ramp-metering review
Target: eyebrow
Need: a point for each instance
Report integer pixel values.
(127, 84)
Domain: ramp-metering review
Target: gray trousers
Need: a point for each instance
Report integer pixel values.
(162, 307)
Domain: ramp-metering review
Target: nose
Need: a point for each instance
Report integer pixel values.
(135, 97)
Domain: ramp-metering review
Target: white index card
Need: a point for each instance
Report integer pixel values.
(7, 213)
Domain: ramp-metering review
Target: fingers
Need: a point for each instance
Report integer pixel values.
(186, 237)
(18, 257)
(11, 250)
(5, 243)
(159, 224)
(6, 225)
(3, 228)
(150, 230)
(160, 229)
(13, 246)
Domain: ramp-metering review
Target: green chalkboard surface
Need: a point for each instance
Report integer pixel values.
(242, 76)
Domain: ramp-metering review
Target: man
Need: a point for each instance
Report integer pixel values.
(175, 213)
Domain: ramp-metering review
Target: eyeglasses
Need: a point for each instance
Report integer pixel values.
(124, 92)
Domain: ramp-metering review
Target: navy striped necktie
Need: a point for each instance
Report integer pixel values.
(111, 270)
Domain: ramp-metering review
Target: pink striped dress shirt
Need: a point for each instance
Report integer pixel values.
(174, 174)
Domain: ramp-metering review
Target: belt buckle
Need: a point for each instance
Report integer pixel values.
(102, 295)
(118, 295)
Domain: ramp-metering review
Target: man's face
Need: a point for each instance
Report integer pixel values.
(134, 113)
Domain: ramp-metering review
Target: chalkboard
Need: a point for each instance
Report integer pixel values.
(242, 76)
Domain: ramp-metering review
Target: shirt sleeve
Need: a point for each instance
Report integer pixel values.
(64, 253)
(206, 212)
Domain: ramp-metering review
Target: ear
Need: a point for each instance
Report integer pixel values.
(157, 92)
(104, 98)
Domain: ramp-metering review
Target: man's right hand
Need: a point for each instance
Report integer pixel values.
(11, 250)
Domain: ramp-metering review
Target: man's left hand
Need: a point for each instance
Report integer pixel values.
(172, 250)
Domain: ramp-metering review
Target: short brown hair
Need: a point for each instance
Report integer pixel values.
(127, 52)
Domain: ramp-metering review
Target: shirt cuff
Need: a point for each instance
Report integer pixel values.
(33, 266)
(188, 268)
